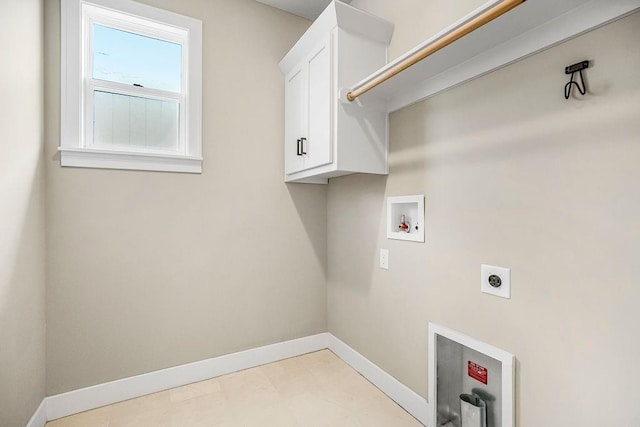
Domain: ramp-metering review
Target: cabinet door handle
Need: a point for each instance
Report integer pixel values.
(302, 140)
(298, 149)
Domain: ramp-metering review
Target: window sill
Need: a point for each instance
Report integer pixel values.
(103, 159)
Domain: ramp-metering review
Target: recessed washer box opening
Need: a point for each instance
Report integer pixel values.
(469, 375)
(405, 218)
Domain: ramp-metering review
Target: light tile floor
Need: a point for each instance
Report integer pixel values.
(317, 389)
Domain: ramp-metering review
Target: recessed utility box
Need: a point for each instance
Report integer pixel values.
(405, 218)
(470, 382)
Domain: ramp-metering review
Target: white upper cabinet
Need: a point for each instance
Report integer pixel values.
(324, 137)
(308, 111)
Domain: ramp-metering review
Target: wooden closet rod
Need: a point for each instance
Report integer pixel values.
(477, 22)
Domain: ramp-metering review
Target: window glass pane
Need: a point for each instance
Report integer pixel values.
(135, 122)
(124, 57)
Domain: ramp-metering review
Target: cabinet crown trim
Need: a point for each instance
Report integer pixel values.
(341, 15)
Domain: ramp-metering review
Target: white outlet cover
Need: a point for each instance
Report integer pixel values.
(384, 259)
(504, 290)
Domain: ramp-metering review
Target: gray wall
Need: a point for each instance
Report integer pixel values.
(514, 176)
(22, 260)
(149, 270)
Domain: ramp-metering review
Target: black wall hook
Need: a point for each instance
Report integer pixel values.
(573, 69)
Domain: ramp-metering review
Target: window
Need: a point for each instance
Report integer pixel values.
(131, 87)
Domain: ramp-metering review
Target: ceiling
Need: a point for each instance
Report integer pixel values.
(309, 9)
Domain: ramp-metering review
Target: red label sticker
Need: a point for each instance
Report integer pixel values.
(477, 372)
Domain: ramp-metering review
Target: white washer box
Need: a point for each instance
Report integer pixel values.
(412, 207)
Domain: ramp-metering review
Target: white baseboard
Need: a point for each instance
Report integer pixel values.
(411, 401)
(84, 399)
(39, 418)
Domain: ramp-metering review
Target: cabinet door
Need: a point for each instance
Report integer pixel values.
(317, 147)
(295, 118)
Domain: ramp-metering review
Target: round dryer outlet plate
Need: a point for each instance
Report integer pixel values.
(495, 280)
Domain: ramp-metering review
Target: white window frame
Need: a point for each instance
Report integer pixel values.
(77, 147)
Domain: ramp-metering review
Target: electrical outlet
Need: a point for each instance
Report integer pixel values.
(384, 258)
(495, 281)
